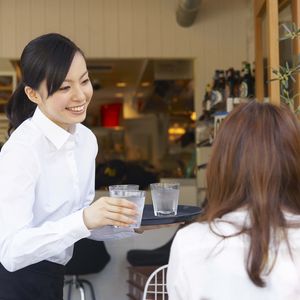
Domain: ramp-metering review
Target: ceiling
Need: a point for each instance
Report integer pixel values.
(155, 83)
(105, 74)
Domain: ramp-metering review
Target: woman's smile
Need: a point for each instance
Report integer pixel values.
(77, 109)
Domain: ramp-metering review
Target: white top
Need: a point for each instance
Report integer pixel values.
(47, 177)
(202, 266)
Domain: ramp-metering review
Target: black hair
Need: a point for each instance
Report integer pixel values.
(47, 57)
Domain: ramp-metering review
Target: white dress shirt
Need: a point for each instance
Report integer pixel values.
(47, 177)
(203, 266)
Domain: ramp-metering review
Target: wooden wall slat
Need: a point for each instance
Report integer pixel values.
(81, 24)
(8, 27)
(259, 82)
(37, 19)
(23, 16)
(96, 28)
(259, 7)
(125, 23)
(210, 42)
(136, 28)
(139, 24)
(153, 29)
(67, 20)
(296, 45)
(168, 22)
(240, 22)
(111, 28)
(273, 50)
(125, 8)
(52, 15)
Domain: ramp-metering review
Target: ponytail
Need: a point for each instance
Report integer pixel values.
(19, 108)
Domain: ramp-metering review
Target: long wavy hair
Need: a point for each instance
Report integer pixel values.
(255, 164)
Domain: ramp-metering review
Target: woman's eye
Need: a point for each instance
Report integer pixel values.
(85, 81)
(64, 88)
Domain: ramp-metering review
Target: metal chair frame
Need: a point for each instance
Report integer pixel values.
(156, 285)
(78, 284)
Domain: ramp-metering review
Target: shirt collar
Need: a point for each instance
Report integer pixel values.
(54, 133)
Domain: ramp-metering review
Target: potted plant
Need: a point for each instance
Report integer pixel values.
(286, 74)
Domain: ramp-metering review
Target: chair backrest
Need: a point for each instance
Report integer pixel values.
(156, 285)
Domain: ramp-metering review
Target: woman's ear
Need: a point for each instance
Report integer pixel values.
(32, 94)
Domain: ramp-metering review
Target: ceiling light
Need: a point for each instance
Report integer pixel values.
(193, 116)
(176, 130)
(119, 95)
(121, 84)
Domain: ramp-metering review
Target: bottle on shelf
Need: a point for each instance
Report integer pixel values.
(207, 99)
(237, 83)
(229, 89)
(217, 92)
(247, 83)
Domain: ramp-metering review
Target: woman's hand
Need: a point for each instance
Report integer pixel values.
(110, 211)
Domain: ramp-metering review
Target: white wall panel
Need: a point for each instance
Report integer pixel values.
(153, 28)
(168, 21)
(125, 28)
(240, 25)
(8, 28)
(52, 15)
(81, 24)
(67, 20)
(125, 23)
(139, 24)
(96, 28)
(22, 19)
(111, 28)
(219, 38)
(37, 20)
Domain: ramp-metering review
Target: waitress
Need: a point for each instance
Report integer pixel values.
(47, 174)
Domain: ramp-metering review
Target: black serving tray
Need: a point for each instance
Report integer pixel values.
(185, 213)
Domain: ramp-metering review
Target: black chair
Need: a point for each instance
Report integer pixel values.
(89, 257)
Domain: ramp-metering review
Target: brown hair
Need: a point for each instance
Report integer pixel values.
(255, 163)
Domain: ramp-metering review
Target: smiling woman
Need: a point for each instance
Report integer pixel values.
(68, 105)
(47, 174)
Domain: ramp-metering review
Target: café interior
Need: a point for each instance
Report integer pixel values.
(150, 68)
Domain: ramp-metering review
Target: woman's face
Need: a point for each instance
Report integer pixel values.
(68, 105)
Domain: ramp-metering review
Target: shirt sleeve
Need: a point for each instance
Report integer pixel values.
(22, 244)
(111, 233)
(176, 283)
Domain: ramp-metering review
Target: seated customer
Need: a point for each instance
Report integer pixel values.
(246, 245)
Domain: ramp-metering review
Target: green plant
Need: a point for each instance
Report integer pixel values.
(286, 74)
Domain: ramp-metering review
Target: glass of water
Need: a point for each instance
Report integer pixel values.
(165, 198)
(122, 187)
(135, 196)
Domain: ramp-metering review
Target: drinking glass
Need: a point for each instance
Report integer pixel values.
(121, 187)
(165, 198)
(135, 196)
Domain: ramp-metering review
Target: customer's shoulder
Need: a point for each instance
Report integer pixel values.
(193, 230)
